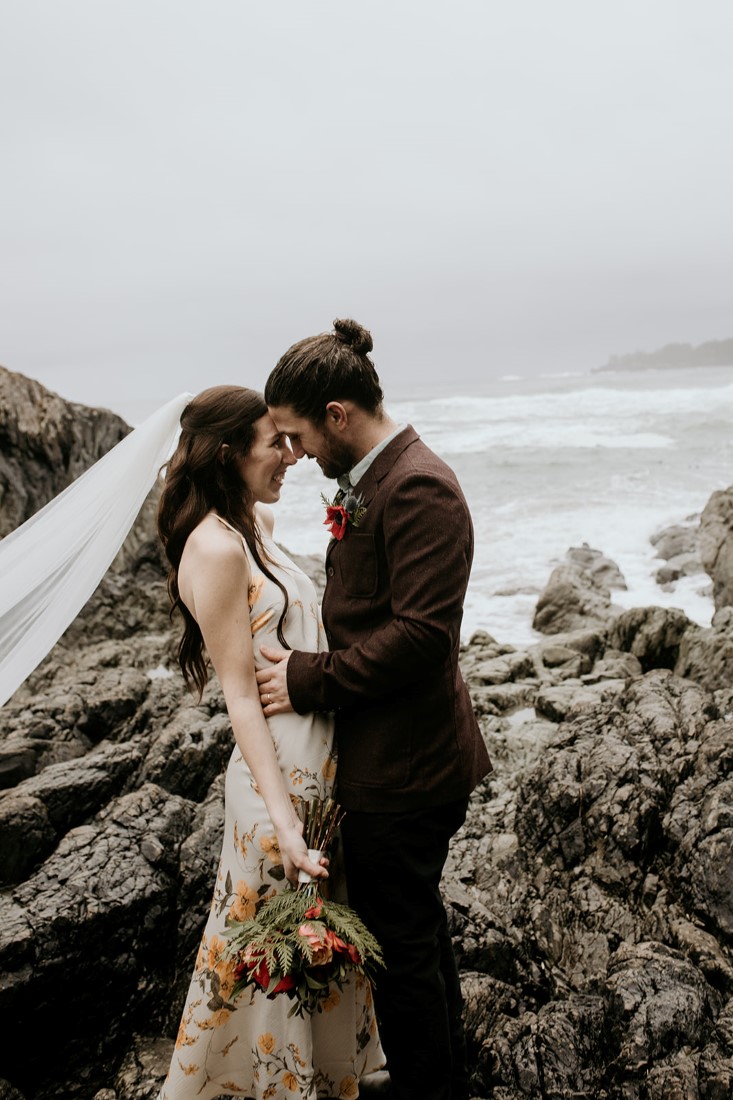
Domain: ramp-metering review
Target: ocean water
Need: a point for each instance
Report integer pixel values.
(551, 462)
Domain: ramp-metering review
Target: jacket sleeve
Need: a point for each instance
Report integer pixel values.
(428, 542)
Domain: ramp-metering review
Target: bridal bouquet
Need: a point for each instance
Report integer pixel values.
(299, 943)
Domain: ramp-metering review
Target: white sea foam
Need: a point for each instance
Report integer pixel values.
(556, 463)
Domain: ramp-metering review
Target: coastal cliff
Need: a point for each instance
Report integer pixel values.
(713, 353)
(590, 893)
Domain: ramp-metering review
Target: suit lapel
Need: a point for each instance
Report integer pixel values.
(383, 463)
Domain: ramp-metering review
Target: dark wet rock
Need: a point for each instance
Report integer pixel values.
(652, 634)
(9, 1092)
(91, 928)
(503, 697)
(578, 593)
(706, 654)
(614, 665)
(17, 762)
(187, 755)
(589, 643)
(26, 835)
(716, 545)
(593, 868)
(143, 1069)
(554, 656)
(659, 1002)
(47, 805)
(502, 669)
(562, 701)
(45, 442)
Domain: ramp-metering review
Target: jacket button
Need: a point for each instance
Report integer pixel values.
(330, 570)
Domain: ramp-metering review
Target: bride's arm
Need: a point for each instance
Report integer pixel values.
(216, 576)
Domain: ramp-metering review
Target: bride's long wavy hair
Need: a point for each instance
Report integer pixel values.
(202, 476)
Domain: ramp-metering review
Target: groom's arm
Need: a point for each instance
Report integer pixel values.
(428, 542)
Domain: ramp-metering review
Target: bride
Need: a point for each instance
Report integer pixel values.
(236, 591)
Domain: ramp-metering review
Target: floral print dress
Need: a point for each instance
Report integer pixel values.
(251, 1048)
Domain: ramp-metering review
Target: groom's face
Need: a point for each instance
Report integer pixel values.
(307, 439)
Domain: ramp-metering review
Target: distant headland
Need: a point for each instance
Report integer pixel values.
(713, 353)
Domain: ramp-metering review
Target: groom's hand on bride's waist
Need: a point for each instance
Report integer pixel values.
(273, 681)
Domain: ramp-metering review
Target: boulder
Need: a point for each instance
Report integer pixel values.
(562, 701)
(578, 593)
(602, 571)
(684, 565)
(45, 442)
(677, 540)
(652, 634)
(659, 1004)
(716, 544)
(91, 928)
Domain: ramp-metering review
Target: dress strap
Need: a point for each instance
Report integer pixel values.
(232, 529)
(240, 536)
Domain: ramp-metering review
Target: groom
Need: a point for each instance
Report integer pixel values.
(409, 748)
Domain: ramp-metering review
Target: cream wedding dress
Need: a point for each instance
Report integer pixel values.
(251, 1048)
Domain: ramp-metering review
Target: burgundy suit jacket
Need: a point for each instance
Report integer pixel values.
(406, 733)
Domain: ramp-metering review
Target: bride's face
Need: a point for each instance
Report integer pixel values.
(263, 468)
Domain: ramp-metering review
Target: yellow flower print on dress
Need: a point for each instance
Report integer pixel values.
(333, 999)
(290, 1081)
(244, 905)
(255, 587)
(216, 962)
(271, 849)
(216, 1019)
(349, 1089)
(266, 1043)
(328, 770)
(261, 621)
(213, 952)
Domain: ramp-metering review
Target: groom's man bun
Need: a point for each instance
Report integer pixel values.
(355, 335)
(333, 366)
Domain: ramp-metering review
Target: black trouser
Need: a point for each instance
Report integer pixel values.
(393, 866)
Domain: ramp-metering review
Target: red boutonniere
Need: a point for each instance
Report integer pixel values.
(344, 511)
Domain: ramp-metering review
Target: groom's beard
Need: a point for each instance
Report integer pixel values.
(336, 458)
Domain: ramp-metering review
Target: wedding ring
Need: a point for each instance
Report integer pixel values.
(269, 698)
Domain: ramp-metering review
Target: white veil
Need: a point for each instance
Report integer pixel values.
(51, 564)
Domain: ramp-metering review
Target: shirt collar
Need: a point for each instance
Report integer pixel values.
(354, 476)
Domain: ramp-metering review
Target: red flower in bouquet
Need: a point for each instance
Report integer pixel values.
(344, 948)
(300, 943)
(253, 970)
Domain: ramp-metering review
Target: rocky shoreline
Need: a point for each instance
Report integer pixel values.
(590, 892)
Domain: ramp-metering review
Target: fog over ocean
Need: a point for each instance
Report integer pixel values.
(551, 462)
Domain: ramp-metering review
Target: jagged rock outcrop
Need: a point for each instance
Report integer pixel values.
(45, 442)
(595, 905)
(578, 593)
(716, 545)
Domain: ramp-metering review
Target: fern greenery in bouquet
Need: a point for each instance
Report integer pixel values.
(300, 943)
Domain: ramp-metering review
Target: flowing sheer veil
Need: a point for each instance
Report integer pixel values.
(51, 564)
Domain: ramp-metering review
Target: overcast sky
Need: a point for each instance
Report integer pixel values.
(492, 186)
